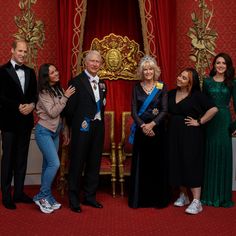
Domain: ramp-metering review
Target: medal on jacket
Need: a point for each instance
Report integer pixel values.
(155, 111)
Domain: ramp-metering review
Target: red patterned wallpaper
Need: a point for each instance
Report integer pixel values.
(44, 10)
(224, 22)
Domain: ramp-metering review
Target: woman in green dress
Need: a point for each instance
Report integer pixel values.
(220, 86)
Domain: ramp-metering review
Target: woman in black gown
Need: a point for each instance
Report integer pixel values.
(189, 109)
(148, 183)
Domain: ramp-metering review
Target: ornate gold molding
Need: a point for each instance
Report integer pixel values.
(202, 38)
(149, 40)
(145, 32)
(121, 57)
(78, 35)
(31, 30)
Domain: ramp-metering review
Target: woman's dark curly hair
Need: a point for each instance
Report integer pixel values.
(44, 81)
(230, 71)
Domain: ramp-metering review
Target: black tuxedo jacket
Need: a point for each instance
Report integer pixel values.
(11, 96)
(82, 104)
(87, 137)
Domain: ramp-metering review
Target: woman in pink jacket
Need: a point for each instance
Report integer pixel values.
(51, 102)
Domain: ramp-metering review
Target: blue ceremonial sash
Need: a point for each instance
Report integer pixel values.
(85, 125)
(141, 111)
(98, 106)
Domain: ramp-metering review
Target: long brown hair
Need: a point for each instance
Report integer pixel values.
(230, 71)
(44, 81)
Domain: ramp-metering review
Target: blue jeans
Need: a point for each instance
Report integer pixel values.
(48, 143)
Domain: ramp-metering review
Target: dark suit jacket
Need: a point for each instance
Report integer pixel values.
(82, 104)
(87, 137)
(11, 96)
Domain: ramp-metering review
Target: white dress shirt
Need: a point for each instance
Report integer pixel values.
(94, 84)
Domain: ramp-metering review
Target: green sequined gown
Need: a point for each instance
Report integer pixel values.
(217, 187)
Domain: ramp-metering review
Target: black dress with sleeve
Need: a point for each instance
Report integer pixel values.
(186, 143)
(149, 179)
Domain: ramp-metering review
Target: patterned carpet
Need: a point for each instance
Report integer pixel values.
(115, 219)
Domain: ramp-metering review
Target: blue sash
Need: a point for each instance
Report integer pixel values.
(98, 106)
(141, 111)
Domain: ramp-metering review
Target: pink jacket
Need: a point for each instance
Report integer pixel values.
(48, 109)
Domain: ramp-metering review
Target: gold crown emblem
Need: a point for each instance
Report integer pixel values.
(121, 57)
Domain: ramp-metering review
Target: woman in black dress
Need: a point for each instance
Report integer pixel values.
(149, 108)
(189, 109)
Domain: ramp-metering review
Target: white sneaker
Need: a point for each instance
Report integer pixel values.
(56, 205)
(195, 207)
(182, 200)
(44, 205)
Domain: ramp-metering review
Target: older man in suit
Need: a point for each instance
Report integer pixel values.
(85, 114)
(18, 93)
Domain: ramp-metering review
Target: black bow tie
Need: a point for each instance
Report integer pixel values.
(17, 67)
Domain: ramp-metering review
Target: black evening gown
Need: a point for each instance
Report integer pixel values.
(149, 178)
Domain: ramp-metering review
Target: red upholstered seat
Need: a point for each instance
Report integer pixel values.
(124, 149)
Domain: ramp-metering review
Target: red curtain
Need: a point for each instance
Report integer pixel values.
(165, 16)
(120, 17)
(159, 32)
(65, 22)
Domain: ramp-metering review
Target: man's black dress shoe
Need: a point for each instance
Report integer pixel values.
(23, 199)
(9, 205)
(76, 209)
(94, 204)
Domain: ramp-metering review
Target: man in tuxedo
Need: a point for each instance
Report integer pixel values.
(85, 115)
(18, 93)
